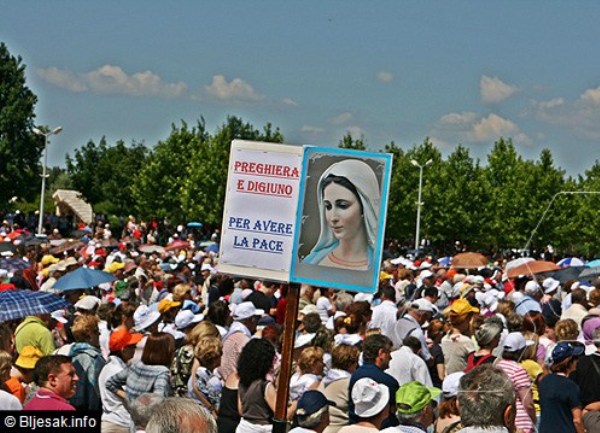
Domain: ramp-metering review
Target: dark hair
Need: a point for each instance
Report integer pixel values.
(218, 312)
(362, 309)
(389, 293)
(255, 361)
(579, 296)
(344, 357)
(514, 322)
(431, 292)
(124, 309)
(5, 337)
(312, 322)
(448, 407)
(350, 322)
(47, 365)
(106, 311)
(413, 342)
(159, 349)
(373, 344)
(342, 181)
(534, 322)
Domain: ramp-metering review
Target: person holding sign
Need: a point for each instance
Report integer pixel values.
(348, 196)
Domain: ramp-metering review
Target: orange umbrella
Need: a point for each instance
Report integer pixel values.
(531, 268)
(469, 261)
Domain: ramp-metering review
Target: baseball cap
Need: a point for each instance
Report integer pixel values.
(414, 396)
(166, 304)
(121, 338)
(369, 397)
(308, 309)
(246, 310)
(88, 303)
(423, 304)
(186, 318)
(515, 341)
(59, 316)
(462, 306)
(564, 350)
(311, 402)
(28, 357)
(144, 317)
(531, 288)
(451, 383)
(49, 259)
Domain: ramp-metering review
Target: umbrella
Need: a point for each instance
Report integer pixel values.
(6, 247)
(444, 261)
(205, 244)
(108, 243)
(517, 262)
(194, 224)
(177, 245)
(214, 248)
(69, 245)
(570, 261)
(590, 273)
(531, 268)
(12, 264)
(130, 240)
(80, 233)
(150, 249)
(469, 261)
(30, 240)
(593, 263)
(565, 274)
(83, 278)
(15, 304)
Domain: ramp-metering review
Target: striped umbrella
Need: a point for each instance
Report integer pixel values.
(16, 304)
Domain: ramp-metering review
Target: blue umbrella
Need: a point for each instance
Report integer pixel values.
(570, 261)
(15, 304)
(195, 224)
(83, 278)
(12, 264)
(444, 261)
(593, 263)
(212, 248)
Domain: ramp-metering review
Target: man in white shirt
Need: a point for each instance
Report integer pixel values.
(325, 304)
(385, 314)
(407, 366)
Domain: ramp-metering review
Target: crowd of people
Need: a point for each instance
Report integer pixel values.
(173, 345)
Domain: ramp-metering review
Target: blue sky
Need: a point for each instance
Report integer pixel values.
(458, 72)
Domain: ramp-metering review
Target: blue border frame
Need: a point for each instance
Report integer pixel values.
(385, 186)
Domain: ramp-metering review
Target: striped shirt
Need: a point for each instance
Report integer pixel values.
(139, 379)
(520, 379)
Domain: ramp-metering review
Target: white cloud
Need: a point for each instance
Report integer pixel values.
(592, 96)
(342, 118)
(356, 131)
(112, 80)
(235, 90)
(495, 90)
(311, 129)
(385, 76)
(289, 102)
(580, 116)
(467, 126)
(492, 127)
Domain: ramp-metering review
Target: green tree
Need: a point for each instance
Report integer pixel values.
(347, 142)
(204, 186)
(20, 149)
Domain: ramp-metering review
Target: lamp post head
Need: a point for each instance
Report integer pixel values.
(415, 163)
(428, 162)
(57, 130)
(37, 131)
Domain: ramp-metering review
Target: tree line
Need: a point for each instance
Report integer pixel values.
(486, 206)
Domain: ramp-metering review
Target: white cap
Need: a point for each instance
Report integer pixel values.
(425, 274)
(303, 340)
(207, 267)
(369, 397)
(88, 303)
(186, 318)
(531, 288)
(451, 383)
(550, 285)
(246, 310)
(423, 304)
(144, 317)
(59, 316)
(515, 341)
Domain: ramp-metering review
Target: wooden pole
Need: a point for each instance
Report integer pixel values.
(291, 313)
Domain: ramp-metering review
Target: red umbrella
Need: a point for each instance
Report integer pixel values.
(469, 261)
(177, 245)
(532, 268)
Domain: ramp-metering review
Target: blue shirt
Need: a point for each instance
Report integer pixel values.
(527, 304)
(378, 375)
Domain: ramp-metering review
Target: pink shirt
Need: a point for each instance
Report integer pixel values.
(47, 400)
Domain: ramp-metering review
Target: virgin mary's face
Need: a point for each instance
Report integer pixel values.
(342, 211)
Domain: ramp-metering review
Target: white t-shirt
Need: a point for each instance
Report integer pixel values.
(324, 306)
(9, 401)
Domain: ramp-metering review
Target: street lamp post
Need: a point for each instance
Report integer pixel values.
(44, 175)
(421, 167)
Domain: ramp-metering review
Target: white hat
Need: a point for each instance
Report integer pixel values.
(425, 274)
(246, 310)
(207, 267)
(515, 341)
(451, 383)
(245, 293)
(422, 304)
(185, 318)
(363, 297)
(369, 397)
(59, 316)
(88, 303)
(308, 309)
(144, 317)
(303, 340)
(425, 265)
(550, 285)
(531, 288)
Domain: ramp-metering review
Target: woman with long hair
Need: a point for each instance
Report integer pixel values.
(348, 196)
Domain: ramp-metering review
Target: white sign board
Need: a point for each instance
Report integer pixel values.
(260, 210)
